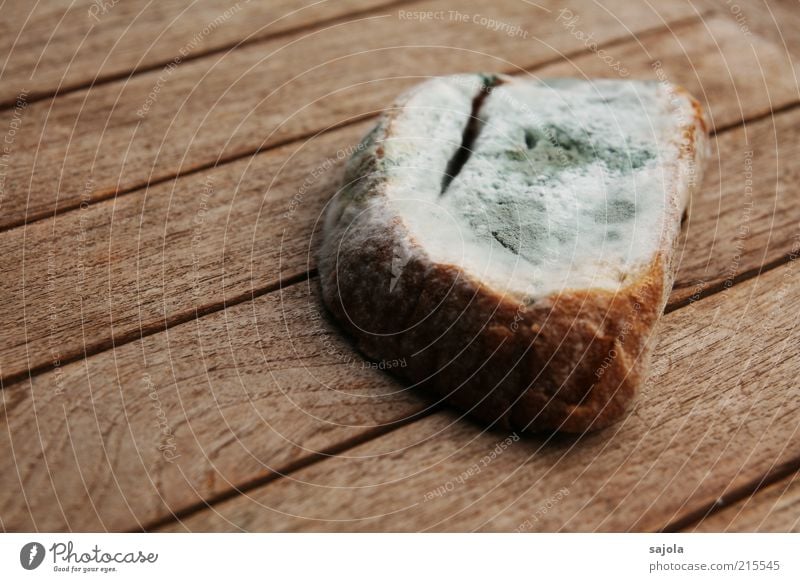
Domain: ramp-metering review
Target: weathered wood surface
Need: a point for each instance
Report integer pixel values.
(777, 20)
(773, 509)
(701, 426)
(241, 387)
(60, 45)
(75, 376)
(121, 136)
(165, 240)
(260, 385)
(123, 438)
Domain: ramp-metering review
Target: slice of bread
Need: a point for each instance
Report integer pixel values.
(511, 241)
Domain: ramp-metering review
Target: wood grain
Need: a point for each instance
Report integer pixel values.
(258, 388)
(23, 412)
(164, 423)
(121, 136)
(746, 214)
(719, 410)
(124, 438)
(59, 45)
(117, 268)
(775, 508)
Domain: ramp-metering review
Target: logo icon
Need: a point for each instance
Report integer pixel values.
(31, 555)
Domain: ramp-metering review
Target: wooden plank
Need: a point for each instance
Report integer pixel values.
(117, 269)
(175, 418)
(193, 243)
(100, 257)
(719, 411)
(121, 136)
(733, 81)
(61, 45)
(88, 396)
(776, 20)
(773, 509)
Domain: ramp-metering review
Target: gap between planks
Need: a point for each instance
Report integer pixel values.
(774, 509)
(735, 280)
(154, 328)
(755, 118)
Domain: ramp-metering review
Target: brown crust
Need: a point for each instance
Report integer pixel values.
(570, 362)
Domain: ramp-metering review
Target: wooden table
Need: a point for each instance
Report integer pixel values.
(165, 361)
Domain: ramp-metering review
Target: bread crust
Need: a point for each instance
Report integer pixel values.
(569, 362)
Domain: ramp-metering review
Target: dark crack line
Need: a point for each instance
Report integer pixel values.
(748, 490)
(471, 132)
